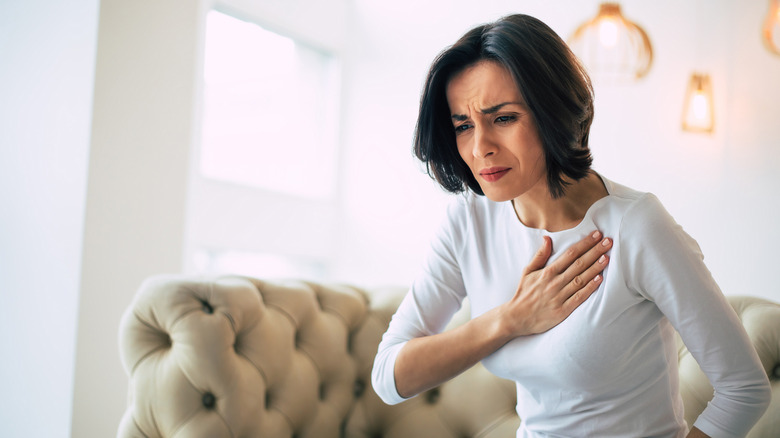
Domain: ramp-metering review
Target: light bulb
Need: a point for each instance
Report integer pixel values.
(608, 32)
(698, 108)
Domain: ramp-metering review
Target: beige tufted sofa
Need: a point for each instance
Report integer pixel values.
(240, 357)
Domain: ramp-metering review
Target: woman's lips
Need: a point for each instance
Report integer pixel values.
(492, 174)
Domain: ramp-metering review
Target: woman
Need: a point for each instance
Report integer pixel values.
(505, 116)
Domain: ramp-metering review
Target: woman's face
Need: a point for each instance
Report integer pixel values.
(495, 132)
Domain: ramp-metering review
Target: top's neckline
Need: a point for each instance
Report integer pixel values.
(583, 222)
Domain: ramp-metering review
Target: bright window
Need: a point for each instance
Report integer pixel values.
(270, 110)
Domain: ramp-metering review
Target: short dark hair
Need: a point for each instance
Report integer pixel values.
(553, 83)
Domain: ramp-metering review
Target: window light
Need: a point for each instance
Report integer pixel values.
(270, 110)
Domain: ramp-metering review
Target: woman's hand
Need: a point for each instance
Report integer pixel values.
(544, 298)
(548, 295)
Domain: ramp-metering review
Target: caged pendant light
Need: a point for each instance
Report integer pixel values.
(612, 46)
(771, 31)
(698, 109)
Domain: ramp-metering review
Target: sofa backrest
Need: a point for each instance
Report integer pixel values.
(242, 357)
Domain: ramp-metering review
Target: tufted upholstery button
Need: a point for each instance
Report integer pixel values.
(776, 371)
(359, 388)
(206, 307)
(322, 392)
(432, 396)
(209, 401)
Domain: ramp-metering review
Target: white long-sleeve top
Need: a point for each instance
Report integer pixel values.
(610, 369)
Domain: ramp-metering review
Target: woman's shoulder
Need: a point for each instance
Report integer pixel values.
(471, 217)
(639, 210)
(630, 198)
(622, 192)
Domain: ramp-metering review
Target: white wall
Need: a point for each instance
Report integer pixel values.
(47, 52)
(141, 135)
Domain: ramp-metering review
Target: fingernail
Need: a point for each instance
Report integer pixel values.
(597, 279)
(605, 242)
(603, 259)
(596, 235)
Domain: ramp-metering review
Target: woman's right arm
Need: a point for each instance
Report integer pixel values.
(544, 298)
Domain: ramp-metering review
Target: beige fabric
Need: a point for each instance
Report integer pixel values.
(240, 357)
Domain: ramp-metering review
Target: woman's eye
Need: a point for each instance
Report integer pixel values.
(504, 119)
(462, 128)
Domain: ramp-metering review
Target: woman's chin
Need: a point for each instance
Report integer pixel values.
(496, 195)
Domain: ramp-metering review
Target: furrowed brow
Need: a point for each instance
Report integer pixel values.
(491, 110)
(494, 109)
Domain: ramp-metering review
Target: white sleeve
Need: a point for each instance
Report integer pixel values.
(428, 306)
(664, 264)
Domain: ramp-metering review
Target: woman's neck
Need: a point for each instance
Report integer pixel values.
(537, 208)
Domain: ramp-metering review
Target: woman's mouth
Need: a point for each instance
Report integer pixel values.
(493, 174)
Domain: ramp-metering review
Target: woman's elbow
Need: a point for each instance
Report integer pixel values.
(764, 395)
(758, 395)
(383, 380)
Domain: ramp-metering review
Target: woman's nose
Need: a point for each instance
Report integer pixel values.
(484, 144)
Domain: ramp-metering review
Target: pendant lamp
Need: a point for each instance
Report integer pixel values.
(612, 46)
(698, 109)
(772, 27)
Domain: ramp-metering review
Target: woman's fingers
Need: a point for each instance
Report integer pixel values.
(547, 295)
(541, 256)
(575, 251)
(583, 285)
(581, 262)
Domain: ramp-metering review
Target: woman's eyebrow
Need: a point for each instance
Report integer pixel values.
(494, 109)
(491, 110)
